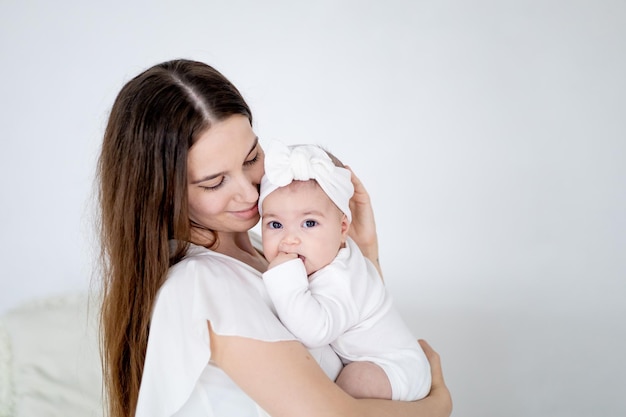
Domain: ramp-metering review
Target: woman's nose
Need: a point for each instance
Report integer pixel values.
(248, 191)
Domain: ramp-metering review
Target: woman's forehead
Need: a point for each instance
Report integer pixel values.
(225, 143)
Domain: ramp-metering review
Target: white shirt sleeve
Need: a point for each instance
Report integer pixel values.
(316, 312)
(204, 287)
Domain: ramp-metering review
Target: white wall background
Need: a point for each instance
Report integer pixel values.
(491, 135)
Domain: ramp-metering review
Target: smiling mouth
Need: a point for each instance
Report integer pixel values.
(247, 212)
(251, 208)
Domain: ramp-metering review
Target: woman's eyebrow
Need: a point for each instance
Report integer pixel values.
(212, 176)
(208, 177)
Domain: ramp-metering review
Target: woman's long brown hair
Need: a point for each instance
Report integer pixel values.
(142, 185)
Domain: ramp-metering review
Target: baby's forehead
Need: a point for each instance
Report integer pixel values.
(308, 188)
(297, 185)
(301, 196)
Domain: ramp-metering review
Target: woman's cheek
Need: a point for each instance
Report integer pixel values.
(203, 205)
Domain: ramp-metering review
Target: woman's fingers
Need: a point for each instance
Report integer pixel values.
(363, 227)
(360, 193)
(435, 362)
(438, 384)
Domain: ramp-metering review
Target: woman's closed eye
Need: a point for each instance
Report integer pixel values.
(256, 154)
(252, 160)
(213, 185)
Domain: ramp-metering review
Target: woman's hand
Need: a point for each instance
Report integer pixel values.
(438, 403)
(363, 227)
(438, 389)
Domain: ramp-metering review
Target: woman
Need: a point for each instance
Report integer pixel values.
(179, 173)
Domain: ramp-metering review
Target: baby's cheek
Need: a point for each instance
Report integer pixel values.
(270, 255)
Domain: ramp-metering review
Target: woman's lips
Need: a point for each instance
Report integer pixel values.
(247, 213)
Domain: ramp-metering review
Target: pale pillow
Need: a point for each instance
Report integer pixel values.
(49, 360)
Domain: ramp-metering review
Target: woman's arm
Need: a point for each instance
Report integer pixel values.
(363, 227)
(286, 381)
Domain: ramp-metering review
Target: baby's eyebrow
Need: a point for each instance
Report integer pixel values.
(314, 213)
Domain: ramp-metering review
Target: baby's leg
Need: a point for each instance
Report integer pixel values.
(364, 380)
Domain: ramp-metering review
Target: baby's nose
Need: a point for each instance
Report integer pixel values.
(290, 240)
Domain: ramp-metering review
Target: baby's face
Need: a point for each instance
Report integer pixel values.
(301, 219)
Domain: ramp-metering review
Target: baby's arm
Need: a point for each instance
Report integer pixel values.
(359, 379)
(315, 314)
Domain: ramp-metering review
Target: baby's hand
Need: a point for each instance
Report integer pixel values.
(280, 258)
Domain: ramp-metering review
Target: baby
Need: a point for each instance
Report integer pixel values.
(324, 290)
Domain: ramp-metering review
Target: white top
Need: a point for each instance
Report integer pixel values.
(346, 304)
(178, 378)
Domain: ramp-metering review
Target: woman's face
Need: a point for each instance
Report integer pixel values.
(224, 169)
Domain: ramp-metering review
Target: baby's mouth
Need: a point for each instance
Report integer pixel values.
(302, 258)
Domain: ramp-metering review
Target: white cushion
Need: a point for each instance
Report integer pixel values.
(49, 360)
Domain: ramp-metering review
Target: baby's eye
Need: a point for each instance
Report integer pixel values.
(275, 225)
(309, 223)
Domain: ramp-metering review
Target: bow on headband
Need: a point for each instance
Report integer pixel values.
(285, 164)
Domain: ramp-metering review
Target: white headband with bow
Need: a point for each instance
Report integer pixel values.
(285, 164)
